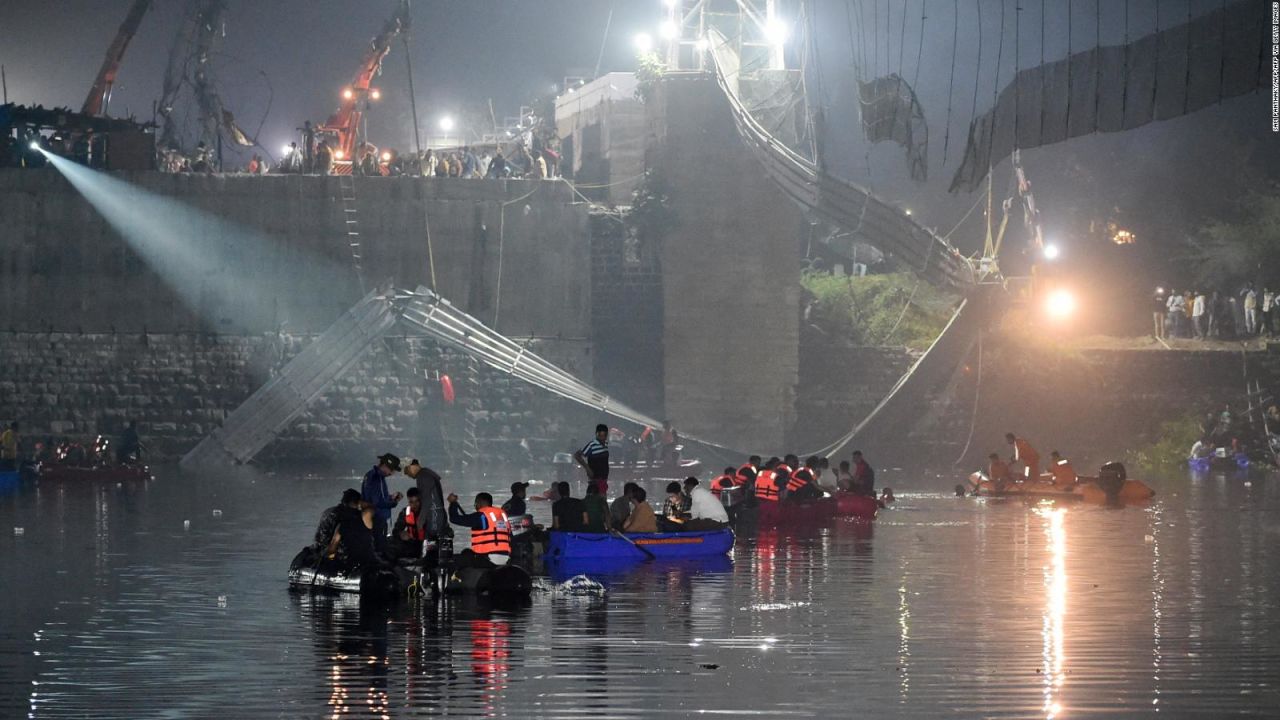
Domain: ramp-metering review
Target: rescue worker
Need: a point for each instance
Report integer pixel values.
(864, 476)
(9, 447)
(747, 473)
(670, 440)
(129, 447)
(998, 472)
(407, 534)
(373, 489)
(727, 480)
(1064, 476)
(782, 471)
(490, 532)
(767, 482)
(1025, 454)
(803, 483)
(516, 505)
(332, 518)
(594, 458)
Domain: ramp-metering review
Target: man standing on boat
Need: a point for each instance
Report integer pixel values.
(1025, 454)
(594, 458)
(373, 490)
(864, 476)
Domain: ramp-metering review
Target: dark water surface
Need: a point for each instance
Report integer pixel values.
(945, 606)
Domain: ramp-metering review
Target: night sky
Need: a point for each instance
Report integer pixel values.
(1161, 180)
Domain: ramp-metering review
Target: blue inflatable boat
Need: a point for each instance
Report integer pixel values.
(575, 546)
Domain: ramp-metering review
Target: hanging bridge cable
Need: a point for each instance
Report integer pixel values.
(977, 396)
(1040, 130)
(902, 42)
(915, 80)
(977, 72)
(1186, 87)
(502, 227)
(1124, 89)
(1070, 48)
(888, 37)
(1222, 50)
(951, 83)
(1017, 64)
(853, 47)
(995, 91)
(1097, 61)
(863, 69)
(875, 37)
(1155, 76)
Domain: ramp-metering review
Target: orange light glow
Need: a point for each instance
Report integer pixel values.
(375, 94)
(347, 94)
(337, 154)
(1060, 304)
(386, 157)
(1124, 237)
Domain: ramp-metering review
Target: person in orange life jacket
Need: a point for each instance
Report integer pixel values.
(864, 476)
(802, 484)
(768, 484)
(1064, 476)
(490, 533)
(746, 475)
(998, 472)
(1025, 454)
(728, 479)
(783, 471)
(407, 534)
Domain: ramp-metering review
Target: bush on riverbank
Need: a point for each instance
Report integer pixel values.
(889, 309)
(1168, 454)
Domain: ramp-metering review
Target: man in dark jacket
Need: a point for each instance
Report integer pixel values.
(373, 490)
(332, 518)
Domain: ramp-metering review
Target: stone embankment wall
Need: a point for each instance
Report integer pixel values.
(181, 386)
(517, 251)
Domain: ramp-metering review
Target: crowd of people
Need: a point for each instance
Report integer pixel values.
(1213, 315)
(360, 528)
(127, 449)
(1023, 469)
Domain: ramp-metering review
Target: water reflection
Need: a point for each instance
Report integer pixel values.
(942, 607)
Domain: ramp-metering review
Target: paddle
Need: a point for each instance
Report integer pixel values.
(633, 544)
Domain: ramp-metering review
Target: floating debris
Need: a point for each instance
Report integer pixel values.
(217, 513)
(576, 585)
(19, 531)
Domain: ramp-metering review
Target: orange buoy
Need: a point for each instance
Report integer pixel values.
(446, 387)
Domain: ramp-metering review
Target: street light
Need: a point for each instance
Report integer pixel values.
(446, 124)
(668, 30)
(286, 149)
(643, 42)
(1060, 304)
(1051, 252)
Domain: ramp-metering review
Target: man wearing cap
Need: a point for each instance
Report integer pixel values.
(373, 490)
(515, 506)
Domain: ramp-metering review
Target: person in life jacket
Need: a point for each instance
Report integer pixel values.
(1064, 476)
(767, 485)
(725, 481)
(803, 483)
(746, 474)
(782, 471)
(490, 532)
(1025, 454)
(407, 534)
(670, 440)
(998, 472)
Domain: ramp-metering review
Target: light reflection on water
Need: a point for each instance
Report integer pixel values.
(943, 607)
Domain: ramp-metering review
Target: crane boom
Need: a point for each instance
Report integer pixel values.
(100, 93)
(346, 119)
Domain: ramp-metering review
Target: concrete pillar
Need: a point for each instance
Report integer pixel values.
(731, 274)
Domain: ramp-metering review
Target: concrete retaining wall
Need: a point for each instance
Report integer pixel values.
(63, 268)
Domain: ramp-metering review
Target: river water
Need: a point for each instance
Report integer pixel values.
(109, 608)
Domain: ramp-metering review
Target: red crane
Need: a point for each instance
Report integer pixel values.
(100, 93)
(339, 131)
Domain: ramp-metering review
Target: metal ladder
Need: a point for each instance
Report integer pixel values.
(471, 448)
(275, 405)
(351, 224)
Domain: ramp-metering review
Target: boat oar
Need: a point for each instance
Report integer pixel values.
(633, 544)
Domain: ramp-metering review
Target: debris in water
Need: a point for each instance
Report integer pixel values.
(1149, 539)
(186, 524)
(19, 531)
(217, 513)
(1248, 483)
(576, 585)
(222, 601)
(709, 666)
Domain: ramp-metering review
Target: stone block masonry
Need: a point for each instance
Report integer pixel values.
(179, 387)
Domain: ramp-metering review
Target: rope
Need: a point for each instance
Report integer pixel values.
(902, 314)
(502, 227)
(977, 72)
(973, 418)
(995, 91)
(951, 86)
